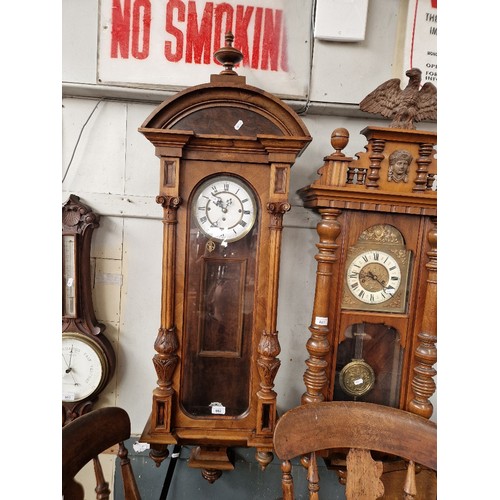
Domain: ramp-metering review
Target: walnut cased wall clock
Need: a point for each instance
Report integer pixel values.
(373, 328)
(88, 358)
(225, 150)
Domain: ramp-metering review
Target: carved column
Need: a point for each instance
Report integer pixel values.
(423, 161)
(318, 345)
(376, 156)
(423, 384)
(167, 343)
(269, 347)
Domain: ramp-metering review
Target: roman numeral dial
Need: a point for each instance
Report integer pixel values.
(373, 277)
(224, 208)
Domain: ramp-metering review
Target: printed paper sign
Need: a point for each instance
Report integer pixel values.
(421, 39)
(172, 42)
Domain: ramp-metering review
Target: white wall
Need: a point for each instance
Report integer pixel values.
(115, 171)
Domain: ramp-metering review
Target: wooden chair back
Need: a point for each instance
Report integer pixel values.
(84, 439)
(357, 428)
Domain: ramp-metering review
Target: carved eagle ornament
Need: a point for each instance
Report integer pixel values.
(412, 104)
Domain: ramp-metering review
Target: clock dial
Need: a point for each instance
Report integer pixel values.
(84, 367)
(373, 277)
(224, 208)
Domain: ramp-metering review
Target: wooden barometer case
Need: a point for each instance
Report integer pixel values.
(225, 151)
(373, 328)
(88, 358)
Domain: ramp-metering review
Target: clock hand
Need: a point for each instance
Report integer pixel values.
(218, 201)
(382, 283)
(69, 369)
(70, 356)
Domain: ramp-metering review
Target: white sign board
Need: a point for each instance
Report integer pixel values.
(170, 43)
(421, 39)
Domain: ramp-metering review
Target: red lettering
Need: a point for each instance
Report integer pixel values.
(256, 38)
(222, 10)
(195, 29)
(174, 56)
(141, 25)
(284, 49)
(120, 29)
(241, 31)
(198, 39)
(271, 40)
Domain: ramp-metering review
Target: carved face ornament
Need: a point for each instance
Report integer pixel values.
(399, 164)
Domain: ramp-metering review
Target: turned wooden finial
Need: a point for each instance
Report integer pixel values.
(228, 56)
(339, 140)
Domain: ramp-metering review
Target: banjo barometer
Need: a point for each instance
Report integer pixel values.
(88, 358)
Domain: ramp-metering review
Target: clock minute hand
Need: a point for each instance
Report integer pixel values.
(374, 277)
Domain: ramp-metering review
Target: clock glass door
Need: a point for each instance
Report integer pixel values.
(368, 365)
(221, 272)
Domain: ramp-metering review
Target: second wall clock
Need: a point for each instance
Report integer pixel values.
(373, 326)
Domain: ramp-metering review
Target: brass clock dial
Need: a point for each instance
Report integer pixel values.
(373, 277)
(224, 208)
(376, 271)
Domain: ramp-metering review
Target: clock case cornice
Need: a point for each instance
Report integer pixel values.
(373, 191)
(183, 125)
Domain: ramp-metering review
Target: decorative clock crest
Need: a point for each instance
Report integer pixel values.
(225, 151)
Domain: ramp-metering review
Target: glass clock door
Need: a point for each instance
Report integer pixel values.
(219, 305)
(368, 365)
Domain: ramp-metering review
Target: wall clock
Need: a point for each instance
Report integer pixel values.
(225, 150)
(373, 328)
(88, 358)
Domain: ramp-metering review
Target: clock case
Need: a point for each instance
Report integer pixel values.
(227, 128)
(78, 223)
(354, 197)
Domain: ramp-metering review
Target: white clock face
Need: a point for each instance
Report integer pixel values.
(373, 277)
(224, 208)
(82, 367)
